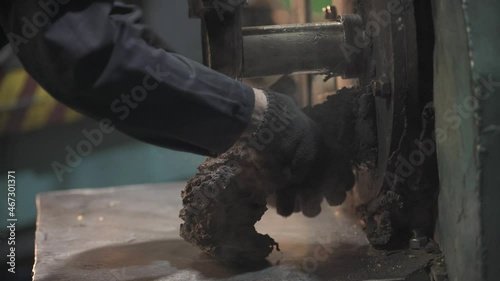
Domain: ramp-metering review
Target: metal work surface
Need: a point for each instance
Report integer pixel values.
(132, 233)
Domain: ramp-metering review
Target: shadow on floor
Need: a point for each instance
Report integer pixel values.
(178, 260)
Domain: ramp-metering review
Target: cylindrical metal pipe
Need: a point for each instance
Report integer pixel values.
(294, 48)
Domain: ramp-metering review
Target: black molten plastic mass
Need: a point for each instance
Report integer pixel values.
(224, 200)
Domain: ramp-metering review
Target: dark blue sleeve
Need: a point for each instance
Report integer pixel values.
(96, 57)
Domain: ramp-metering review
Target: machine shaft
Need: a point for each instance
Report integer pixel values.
(295, 48)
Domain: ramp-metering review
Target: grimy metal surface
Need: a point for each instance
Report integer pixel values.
(467, 101)
(293, 48)
(132, 233)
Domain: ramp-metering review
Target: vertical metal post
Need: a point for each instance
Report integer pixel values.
(301, 13)
(344, 7)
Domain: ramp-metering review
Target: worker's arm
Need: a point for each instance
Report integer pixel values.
(95, 57)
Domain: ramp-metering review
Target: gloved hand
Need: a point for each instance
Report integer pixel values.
(292, 151)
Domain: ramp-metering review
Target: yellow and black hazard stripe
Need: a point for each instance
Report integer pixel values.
(26, 106)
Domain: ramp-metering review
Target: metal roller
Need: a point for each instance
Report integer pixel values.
(296, 48)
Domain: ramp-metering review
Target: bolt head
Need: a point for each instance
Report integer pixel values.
(418, 243)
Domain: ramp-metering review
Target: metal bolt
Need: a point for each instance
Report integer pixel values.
(418, 240)
(330, 13)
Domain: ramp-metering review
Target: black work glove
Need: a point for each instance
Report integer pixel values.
(302, 168)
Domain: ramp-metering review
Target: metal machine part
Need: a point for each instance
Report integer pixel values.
(316, 48)
(381, 45)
